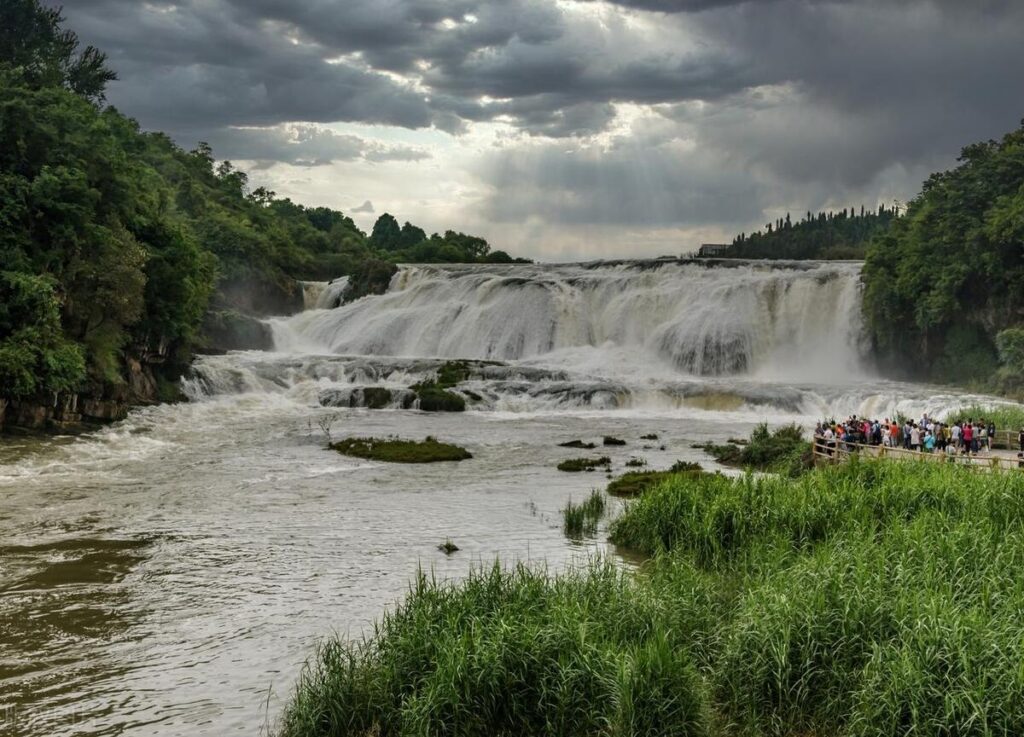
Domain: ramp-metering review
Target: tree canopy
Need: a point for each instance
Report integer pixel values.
(826, 235)
(43, 54)
(945, 281)
(117, 242)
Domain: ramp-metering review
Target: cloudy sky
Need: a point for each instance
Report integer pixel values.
(564, 129)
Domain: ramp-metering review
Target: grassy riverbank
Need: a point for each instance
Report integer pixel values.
(865, 599)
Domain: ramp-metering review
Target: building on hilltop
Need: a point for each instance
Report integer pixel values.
(713, 250)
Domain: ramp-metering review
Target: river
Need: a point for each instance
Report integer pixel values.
(169, 574)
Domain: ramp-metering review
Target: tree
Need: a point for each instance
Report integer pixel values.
(33, 44)
(35, 356)
(411, 236)
(948, 277)
(386, 234)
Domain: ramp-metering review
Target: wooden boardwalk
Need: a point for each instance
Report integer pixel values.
(986, 460)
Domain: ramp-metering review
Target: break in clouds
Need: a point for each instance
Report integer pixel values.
(572, 128)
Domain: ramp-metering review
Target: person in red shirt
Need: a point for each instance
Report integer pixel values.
(968, 436)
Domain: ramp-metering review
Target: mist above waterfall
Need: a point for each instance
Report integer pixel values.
(749, 340)
(779, 322)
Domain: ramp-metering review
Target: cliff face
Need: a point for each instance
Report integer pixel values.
(67, 413)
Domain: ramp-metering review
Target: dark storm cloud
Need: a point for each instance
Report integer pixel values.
(305, 145)
(186, 67)
(903, 84)
(635, 185)
(766, 103)
(196, 65)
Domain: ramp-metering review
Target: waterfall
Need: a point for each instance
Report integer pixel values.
(322, 295)
(762, 339)
(771, 320)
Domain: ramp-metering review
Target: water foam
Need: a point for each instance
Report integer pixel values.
(792, 322)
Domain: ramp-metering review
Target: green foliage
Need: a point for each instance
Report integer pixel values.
(1005, 416)
(576, 465)
(831, 235)
(410, 244)
(948, 277)
(376, 397)
(386, 234)
(508, 653)
(871, 598)
(1010, 345)
(395, 450)
(581, 519)
(42, 54)
(371, 276)
(452, 373)
(784, 450)
(34, 355)
(433, 398)
(138, 238)
(635, 483)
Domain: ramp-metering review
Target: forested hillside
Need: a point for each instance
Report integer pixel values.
(121, 253)
(827, 235)
(944, 286)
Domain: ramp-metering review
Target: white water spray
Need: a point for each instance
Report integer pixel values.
(794, 322)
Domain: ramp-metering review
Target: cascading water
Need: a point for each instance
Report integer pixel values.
(322, 295)
(779, 339)
(795, 322)
(220, 538)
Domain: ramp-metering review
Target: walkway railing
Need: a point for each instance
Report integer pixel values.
(840, 451)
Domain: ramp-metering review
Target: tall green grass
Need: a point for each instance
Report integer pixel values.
(508, 652)
(867, 599)
(871, 599)
(582, 519)
(1006, 417)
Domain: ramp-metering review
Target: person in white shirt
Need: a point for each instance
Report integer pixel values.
(915, 438)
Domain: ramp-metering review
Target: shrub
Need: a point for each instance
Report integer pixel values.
(635, 483)
(578, 444)
(432, 398)
(575, 465)
(376, 397)
(783, 450)
(394, 450)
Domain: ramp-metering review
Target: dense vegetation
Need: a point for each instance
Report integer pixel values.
(1007, 418)
(396, 450)
(871, 599)
(783, 450)
(635, 483)
(507, 653)
(827, 235)
(944, 286)
(117, 244)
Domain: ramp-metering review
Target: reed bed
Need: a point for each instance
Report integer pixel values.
(582, 519)
(871, 599)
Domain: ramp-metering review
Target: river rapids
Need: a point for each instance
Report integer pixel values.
(169, 574)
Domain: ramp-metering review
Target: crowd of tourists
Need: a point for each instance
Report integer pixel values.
(926, 435)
